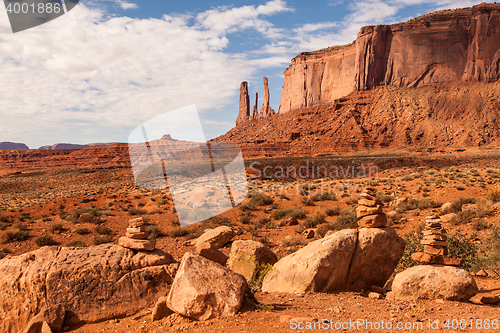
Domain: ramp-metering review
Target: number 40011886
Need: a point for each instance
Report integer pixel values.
(41, 8)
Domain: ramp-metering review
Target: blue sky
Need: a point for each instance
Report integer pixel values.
(98, 72)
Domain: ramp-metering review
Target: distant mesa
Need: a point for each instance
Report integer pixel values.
(59, 146)
(13, 146)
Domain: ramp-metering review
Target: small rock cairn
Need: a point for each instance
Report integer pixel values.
(136, 236)
(369, 211)
(435, 245)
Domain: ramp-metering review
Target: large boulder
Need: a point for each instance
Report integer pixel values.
(218, 237)
(377, 254)
(92, 284)
(345, 260)
(434, 282)
(203, 289)
(247, 255)
(322, 265)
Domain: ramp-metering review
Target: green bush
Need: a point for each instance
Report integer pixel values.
(136, 211)
(420, 204)
(45, 240)
(413, 244)
(14, 235)
(347, 219)
(245, 218)
(306, 201)
(463, 247)
(314, 220)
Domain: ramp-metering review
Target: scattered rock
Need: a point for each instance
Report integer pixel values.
(446, 207)
(375, 295)
(218, 237)
(161, 310)
(210, 252)
(246, 255)
(309, 233)
(490, 299)
(373, 221)
(288, 222)
(434, 282)
(203, 289)
(448, 217)
(482, 273)
(137, 244)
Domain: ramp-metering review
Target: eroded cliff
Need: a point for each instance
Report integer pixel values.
(445, 46)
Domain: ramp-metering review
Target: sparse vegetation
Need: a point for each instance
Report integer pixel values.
(297, 213)
(82, 231)
(154, 231)
(56, 228)
(261, 199)
(98, 240)
(45, 240)
(179, 232)
(103, 230)
(76, 244)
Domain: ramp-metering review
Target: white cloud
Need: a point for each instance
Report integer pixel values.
(86, 72)
(125, 4)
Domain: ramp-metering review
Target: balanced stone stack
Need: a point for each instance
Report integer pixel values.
(370, 212)
(136, 236)
(435, 245)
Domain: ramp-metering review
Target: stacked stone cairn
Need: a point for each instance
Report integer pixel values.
(136, 236)
(370, 212)
(435, 246)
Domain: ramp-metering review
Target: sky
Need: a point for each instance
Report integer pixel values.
(104, 68)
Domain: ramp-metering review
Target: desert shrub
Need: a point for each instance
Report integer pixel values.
(314, 220)
(480, 224)
(24, 216)
(323, 196)
(82, 231)
(154, 231)
(98, 240)
(383, 197)
(297, 213)
(89, 199)
(347, 219)
(218, 221)
(45, 240)
(103, 230)
(245, 218)
(417, 204)
(332, 211)
(407, 178)
(261, 200)
(247, 206)
(255, 285)
(494, 195)
(352, 201)
(463, 246)
(306, 201)
(4, 219)
(76, 244)
(462, 217)
(305, 188)
(136, 211)
(413, 244)
(3, 253)
(55, 228)
(4, 226)
(460, 188)
(85, 215)
(179, 232)
(324, 228)
(393, 218)
(14, 235)
(262, 222)
(456, 205)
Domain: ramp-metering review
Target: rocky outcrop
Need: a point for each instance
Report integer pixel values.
(13, 146)
(433, 282)
(244, 109)
(345, 260)
(255, 111)
(446, 46)
(204, 290)
(244, 114)
(92, 284)
(248, 256)
(266, 110)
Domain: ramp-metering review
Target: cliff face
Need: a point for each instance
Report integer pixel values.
(446, 46)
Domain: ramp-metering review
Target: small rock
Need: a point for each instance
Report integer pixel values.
(209, 251)
(309, 233)
(161, 310)
(137, 244)
(448, 217)
(490, 299)
(362, 211)
(375, 295)
(482, 273)
(373, 221)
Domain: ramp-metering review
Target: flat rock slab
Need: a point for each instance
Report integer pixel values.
(434, 282)
(203, 289)
(93, 284)
(218, 237)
